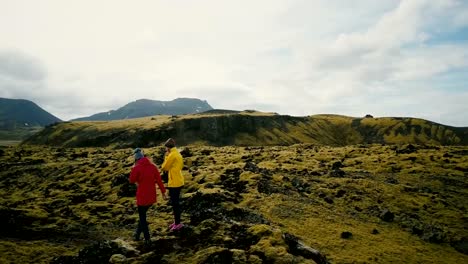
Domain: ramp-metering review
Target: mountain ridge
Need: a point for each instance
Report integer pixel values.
(20, 118)
(251, 128)
(21, 112)
(147, 107)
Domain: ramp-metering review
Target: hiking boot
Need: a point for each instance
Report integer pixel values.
(177, 227)
(147, 244)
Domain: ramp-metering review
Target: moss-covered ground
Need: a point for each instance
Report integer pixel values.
(355, 204)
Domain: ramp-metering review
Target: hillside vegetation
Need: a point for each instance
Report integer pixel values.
(220, 128)
(354, 204)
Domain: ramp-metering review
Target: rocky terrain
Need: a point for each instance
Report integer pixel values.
(281, 204)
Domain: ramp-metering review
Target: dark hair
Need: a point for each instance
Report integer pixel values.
(170, 143)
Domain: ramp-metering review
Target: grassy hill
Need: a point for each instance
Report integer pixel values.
(221, 128)
(21, 118)
(19, 113)
(354, 204)
(145, 107)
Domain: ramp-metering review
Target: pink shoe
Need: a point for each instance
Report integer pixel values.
(172, 225)
(177, 227)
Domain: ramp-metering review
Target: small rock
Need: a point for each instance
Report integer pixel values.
(328, 200)
(375, 231)
(447, 155)
(186, 152)
(250, 166)
(340, 193)
(298, 248)
(127, 249)
(118, 258)
(337, 165)
(387, 216)
(407, 149)
(338, 173)
(346, 235)
(102, 164)
(392, 181)
(461, 245)
(206, 152)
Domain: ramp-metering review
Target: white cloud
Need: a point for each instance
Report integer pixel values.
(294, 57)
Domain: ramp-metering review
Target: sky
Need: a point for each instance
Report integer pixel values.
(296, 57)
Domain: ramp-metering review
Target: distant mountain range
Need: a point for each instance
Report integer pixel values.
(20, 113)
(145, 107)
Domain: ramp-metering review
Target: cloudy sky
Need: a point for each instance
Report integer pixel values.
(385, 57)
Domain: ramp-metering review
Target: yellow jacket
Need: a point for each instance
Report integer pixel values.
(173, 163)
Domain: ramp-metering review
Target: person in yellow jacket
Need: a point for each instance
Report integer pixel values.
(173, 164)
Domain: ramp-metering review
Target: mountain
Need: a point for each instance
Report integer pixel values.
(222, 128)
(16, 113)
(21, 118)
(145, 107)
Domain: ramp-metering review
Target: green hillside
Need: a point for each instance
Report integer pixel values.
(19, 113)
(21, 118)
(250, 128)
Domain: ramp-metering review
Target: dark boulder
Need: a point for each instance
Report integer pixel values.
(387, 216)
(186, 153)
(328, 199)
(83, 154)
(300, 184)
(120, 179)
(337, 165)
(408, 149)
(461, 245)
(250, 166)
(267, 186)
(433, 234)
(96, 253)
(340, 193)
(125, 189)
(298, 248)
(202, 206)
(338, 173)
(346, 235)
(102, 164)
(391, 181)
(231, 181)
(206, 152)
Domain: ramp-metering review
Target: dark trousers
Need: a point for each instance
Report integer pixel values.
(142, 224)
(174, 194)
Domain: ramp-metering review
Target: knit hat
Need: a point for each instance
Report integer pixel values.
(170, 143)
(138, 153)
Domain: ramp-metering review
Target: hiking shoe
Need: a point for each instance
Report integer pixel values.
(177, 227)
(147, 244)
(171, 225)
